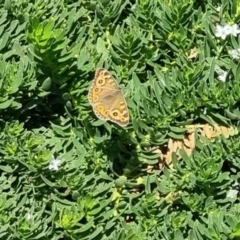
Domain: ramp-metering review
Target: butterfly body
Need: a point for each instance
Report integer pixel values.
(107, 99)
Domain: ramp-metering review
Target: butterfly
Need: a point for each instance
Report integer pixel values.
(107, 99)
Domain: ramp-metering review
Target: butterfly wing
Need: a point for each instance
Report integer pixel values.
(104, 85)
(107, 99)
(113, 109)
(119, 111)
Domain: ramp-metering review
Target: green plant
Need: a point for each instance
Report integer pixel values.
(64, 174)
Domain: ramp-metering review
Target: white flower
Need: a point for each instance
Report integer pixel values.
(234, 30)
(234, 53)
(218, 9)
(222, 31)
(29, 216)
(54, 164)
(232, 193)
(222, 76)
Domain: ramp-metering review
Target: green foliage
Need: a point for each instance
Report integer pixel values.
(67, 175)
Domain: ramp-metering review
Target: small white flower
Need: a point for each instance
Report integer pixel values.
(222, 31)
(234, 53)
(218, 9)
(29, 216)
(222, 76)
(234, 30)
(54, 164)
(232, 193)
